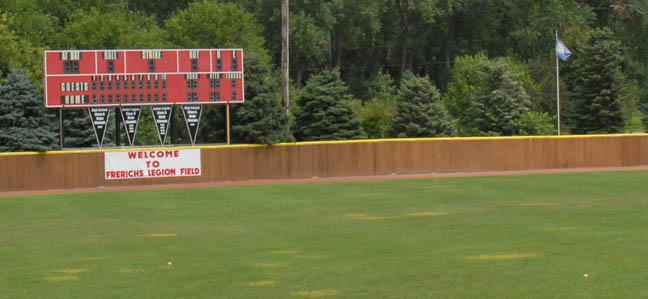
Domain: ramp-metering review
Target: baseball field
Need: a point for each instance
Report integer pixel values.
(570, 235)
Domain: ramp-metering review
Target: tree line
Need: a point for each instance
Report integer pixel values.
(359, 68)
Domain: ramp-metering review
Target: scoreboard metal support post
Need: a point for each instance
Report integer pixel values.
(227, 117)
(117, 127)
(61, 128)
(172, 127)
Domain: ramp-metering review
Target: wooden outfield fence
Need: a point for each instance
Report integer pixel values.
(84, 169)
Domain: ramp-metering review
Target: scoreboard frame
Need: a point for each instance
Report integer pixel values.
(143, 77)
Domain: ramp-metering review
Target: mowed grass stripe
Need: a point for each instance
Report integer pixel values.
(487, 237)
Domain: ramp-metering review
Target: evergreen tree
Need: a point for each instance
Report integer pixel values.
(489, 96)
(324, 110)
(77, 128)
(261, 119)
(381, 87)
(420, 112)
(25, 124)
(595, 76)
(178, 131)
(213, 125)
(643, 107)
(497, 109)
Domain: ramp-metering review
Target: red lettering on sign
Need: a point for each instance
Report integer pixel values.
(125, 174)
(154, 154)
(161, 172)
(190, 171)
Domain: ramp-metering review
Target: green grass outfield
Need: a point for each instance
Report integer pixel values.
(529, 236)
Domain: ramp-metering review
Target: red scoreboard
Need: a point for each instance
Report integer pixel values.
(85, 78)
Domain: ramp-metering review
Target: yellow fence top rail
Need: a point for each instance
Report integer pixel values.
(87, 151)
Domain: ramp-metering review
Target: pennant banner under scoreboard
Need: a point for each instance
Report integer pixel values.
(162, 117)
(131, 115)
(99, 118)
(192, 118)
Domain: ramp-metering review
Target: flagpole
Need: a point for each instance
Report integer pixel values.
(557, 88)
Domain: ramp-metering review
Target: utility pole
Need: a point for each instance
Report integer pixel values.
(285, 44)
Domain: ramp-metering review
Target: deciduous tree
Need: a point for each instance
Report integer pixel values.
(210, 24)
(16, 52)
(377, 113)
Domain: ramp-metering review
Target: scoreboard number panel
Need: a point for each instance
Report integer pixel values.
(147, 77)
(194, 61)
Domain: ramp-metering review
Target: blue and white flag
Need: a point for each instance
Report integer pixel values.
(561, 50)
